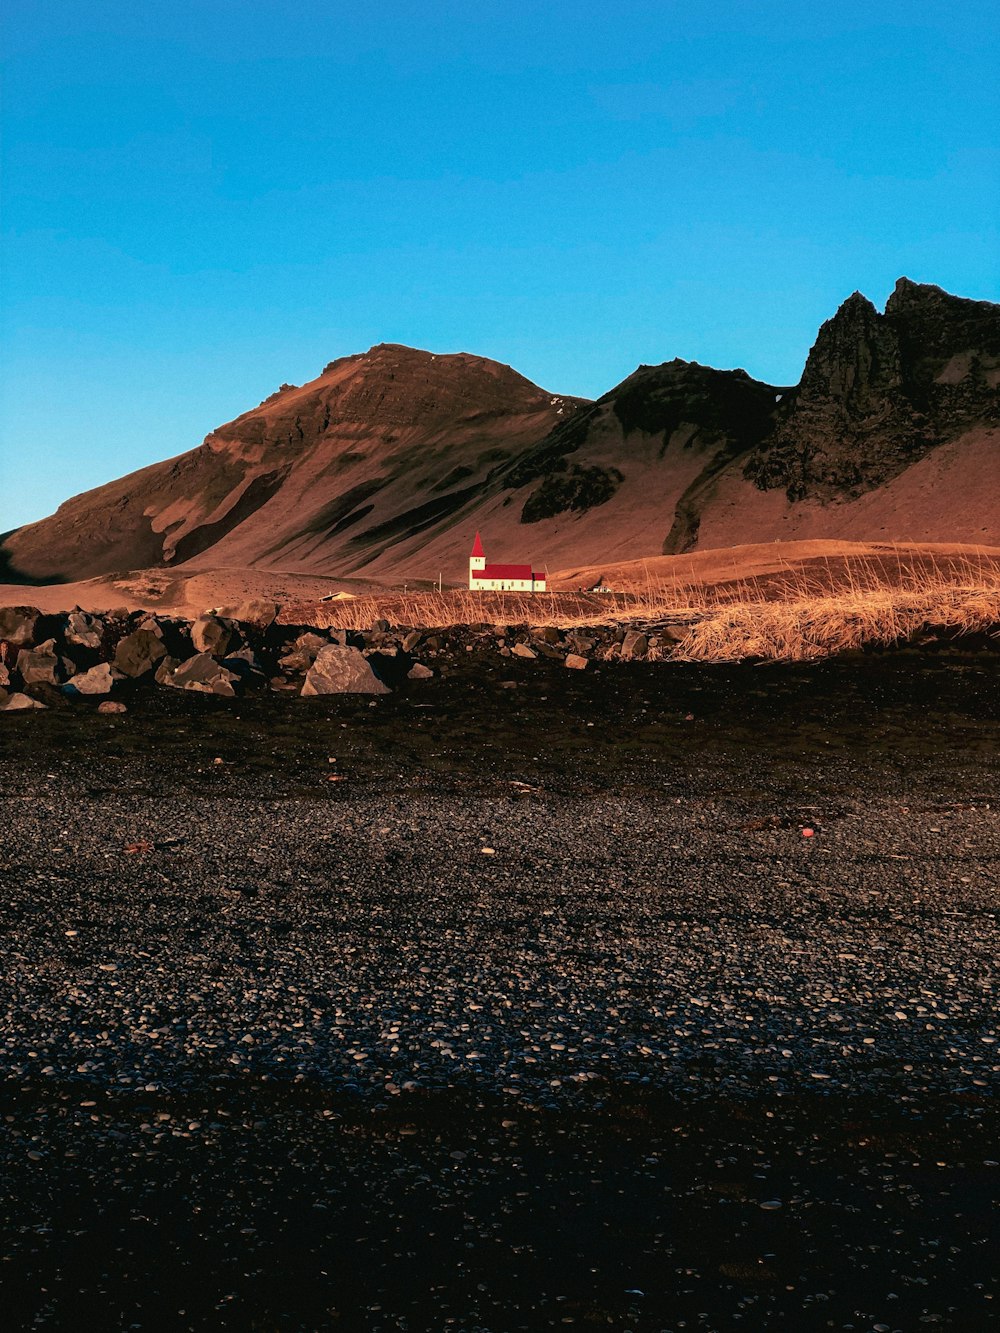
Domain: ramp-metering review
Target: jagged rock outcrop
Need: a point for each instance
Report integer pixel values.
(880, 391)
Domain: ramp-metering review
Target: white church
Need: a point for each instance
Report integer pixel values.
(501, 578)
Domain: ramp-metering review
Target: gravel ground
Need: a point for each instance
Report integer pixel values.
(582, 1028)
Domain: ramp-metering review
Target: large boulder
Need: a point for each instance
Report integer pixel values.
(98, 680)
(39, 666)
(202, 673)
(257, 612)
(17, 624)
(83, 631)
(139, 652)
(339, 670)
(209, 634)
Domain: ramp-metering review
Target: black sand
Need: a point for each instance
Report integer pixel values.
(313, 1058)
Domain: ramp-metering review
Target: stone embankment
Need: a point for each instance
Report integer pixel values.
(111, 655)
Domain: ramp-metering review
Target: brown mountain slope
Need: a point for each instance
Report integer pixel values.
(329, 476)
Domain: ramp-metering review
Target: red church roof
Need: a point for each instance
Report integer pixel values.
(507, 572)
(477, 547)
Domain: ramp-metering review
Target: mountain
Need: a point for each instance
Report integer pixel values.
(381, 447)
(384, 466)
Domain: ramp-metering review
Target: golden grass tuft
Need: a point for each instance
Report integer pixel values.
(860, 604)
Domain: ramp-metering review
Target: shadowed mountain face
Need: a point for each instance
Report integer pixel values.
(880, 391)
(384, 465)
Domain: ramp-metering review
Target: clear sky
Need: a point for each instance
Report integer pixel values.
(205, 198)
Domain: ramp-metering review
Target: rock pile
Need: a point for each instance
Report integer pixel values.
(48, 658)
(45, 658)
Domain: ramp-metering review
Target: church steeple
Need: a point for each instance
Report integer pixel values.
(477, 560)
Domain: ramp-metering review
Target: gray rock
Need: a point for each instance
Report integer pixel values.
(14, 703)
(522, 650)
(303, 652)
(211, 635)
(204, 674)
(39, 665)
(4, 675)
(18, 703)
(412, 640)
(546, 634)
(575, 662)
(17, 624)
(98, 680)
(83, 631)
(139, 652)
(258, 612)
(111, 706)
(419, 672)
(342, 671)
(634, 644)
(166, 669)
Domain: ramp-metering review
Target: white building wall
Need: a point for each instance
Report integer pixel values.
(508, 585)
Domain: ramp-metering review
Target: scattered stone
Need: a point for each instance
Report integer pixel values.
(522, 650)
(139, 652)
(17, 624)
(634, 644)
(547, 634)
(4, 675)
(412, 640)
(16, 702)
(419, 672)
(39, 666)
(304, 652)
(211, 635)
(575, 662)
(98, 680)
(83, 631)
(166, 669)
(203, 673)
(339, 670)
(111, 706)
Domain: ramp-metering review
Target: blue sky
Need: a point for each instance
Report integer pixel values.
(202, 200)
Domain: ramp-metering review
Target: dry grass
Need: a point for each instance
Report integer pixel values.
(852, 605)
(814, 609)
